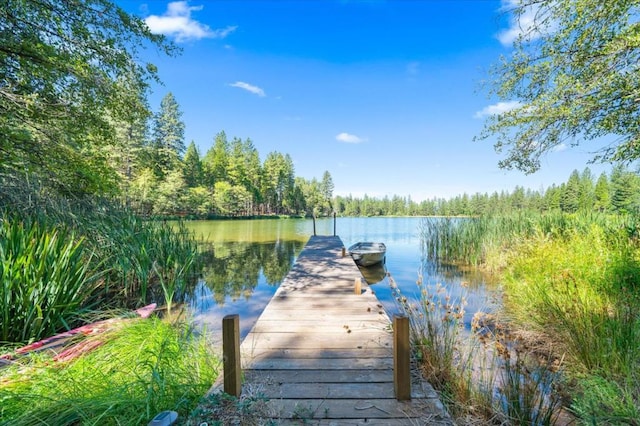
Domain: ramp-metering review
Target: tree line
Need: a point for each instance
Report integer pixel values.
(75, 122)
(231, 180)
(167, 179)
(617, 192)
(160, 176)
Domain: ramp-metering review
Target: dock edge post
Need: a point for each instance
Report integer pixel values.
(231, 355)
(357, 286)
(401, 358)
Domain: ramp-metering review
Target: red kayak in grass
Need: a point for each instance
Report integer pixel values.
(80, 347)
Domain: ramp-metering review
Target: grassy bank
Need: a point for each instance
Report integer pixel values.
(144, 366)
(568, 338)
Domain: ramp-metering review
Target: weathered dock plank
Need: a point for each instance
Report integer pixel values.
(322, 354)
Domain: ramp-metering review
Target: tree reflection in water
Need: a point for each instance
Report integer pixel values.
(232, 270)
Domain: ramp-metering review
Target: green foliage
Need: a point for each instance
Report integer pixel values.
(192, 168)
(167, 142)
(68, 69)
(582, 290)
(277, 184)
(143, 367)
(573, 75)
(625, 191)
(46, 277)
(149, 261)
(575, 281)
(603, 401)
(602, 194)
(170, 194)
(216, 160)
(58, 257)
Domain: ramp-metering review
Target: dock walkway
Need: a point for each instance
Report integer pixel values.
(323, 355)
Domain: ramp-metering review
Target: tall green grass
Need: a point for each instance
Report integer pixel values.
(46, 277)
(144, 367)
(582, 291)
(484, 374)
(149, 260)
(573, 281)
(486, 240)
(53, 267)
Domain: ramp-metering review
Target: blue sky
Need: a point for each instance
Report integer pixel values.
(385, 95)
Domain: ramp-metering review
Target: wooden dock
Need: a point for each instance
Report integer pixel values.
(323, 354)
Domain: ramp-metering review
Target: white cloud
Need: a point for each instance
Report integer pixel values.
(249, 87)
(498, 108)
(559, 148)
(177, 22)
(522, 25)
(348, 138)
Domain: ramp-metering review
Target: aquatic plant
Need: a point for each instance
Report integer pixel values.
(47, 276)
(484, 373)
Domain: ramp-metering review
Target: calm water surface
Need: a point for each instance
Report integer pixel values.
(248, 259)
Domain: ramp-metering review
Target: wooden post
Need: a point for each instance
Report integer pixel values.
(334, 224)
(358, 286)
(344, 252)
(314, 224)
(401, 358)
(231, 355)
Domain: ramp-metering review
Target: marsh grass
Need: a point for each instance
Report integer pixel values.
(58, 262)
(487, 240)
(47, 276)
(573, 281)
(484, 375)
(582, 291)
(144, 366)
(435, 321)
(148, 259)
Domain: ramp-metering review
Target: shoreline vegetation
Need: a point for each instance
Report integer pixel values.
(565, 347)
(570, 279)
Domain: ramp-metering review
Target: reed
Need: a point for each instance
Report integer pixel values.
(55, 265)
(581, 292)
(435, 321)
(47, 276)
(484, 375)
(144, 367)
(578, 289)
(487, 240)
(147, 258)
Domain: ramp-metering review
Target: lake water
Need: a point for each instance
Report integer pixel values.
(247, 260)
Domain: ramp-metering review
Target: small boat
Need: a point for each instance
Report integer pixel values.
(368, 253)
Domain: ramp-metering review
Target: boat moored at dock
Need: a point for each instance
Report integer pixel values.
(367, 253)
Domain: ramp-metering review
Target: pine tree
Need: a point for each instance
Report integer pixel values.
(192, 166)
(216, 160)
(168, 136)
(625, 190)
(570, 201)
